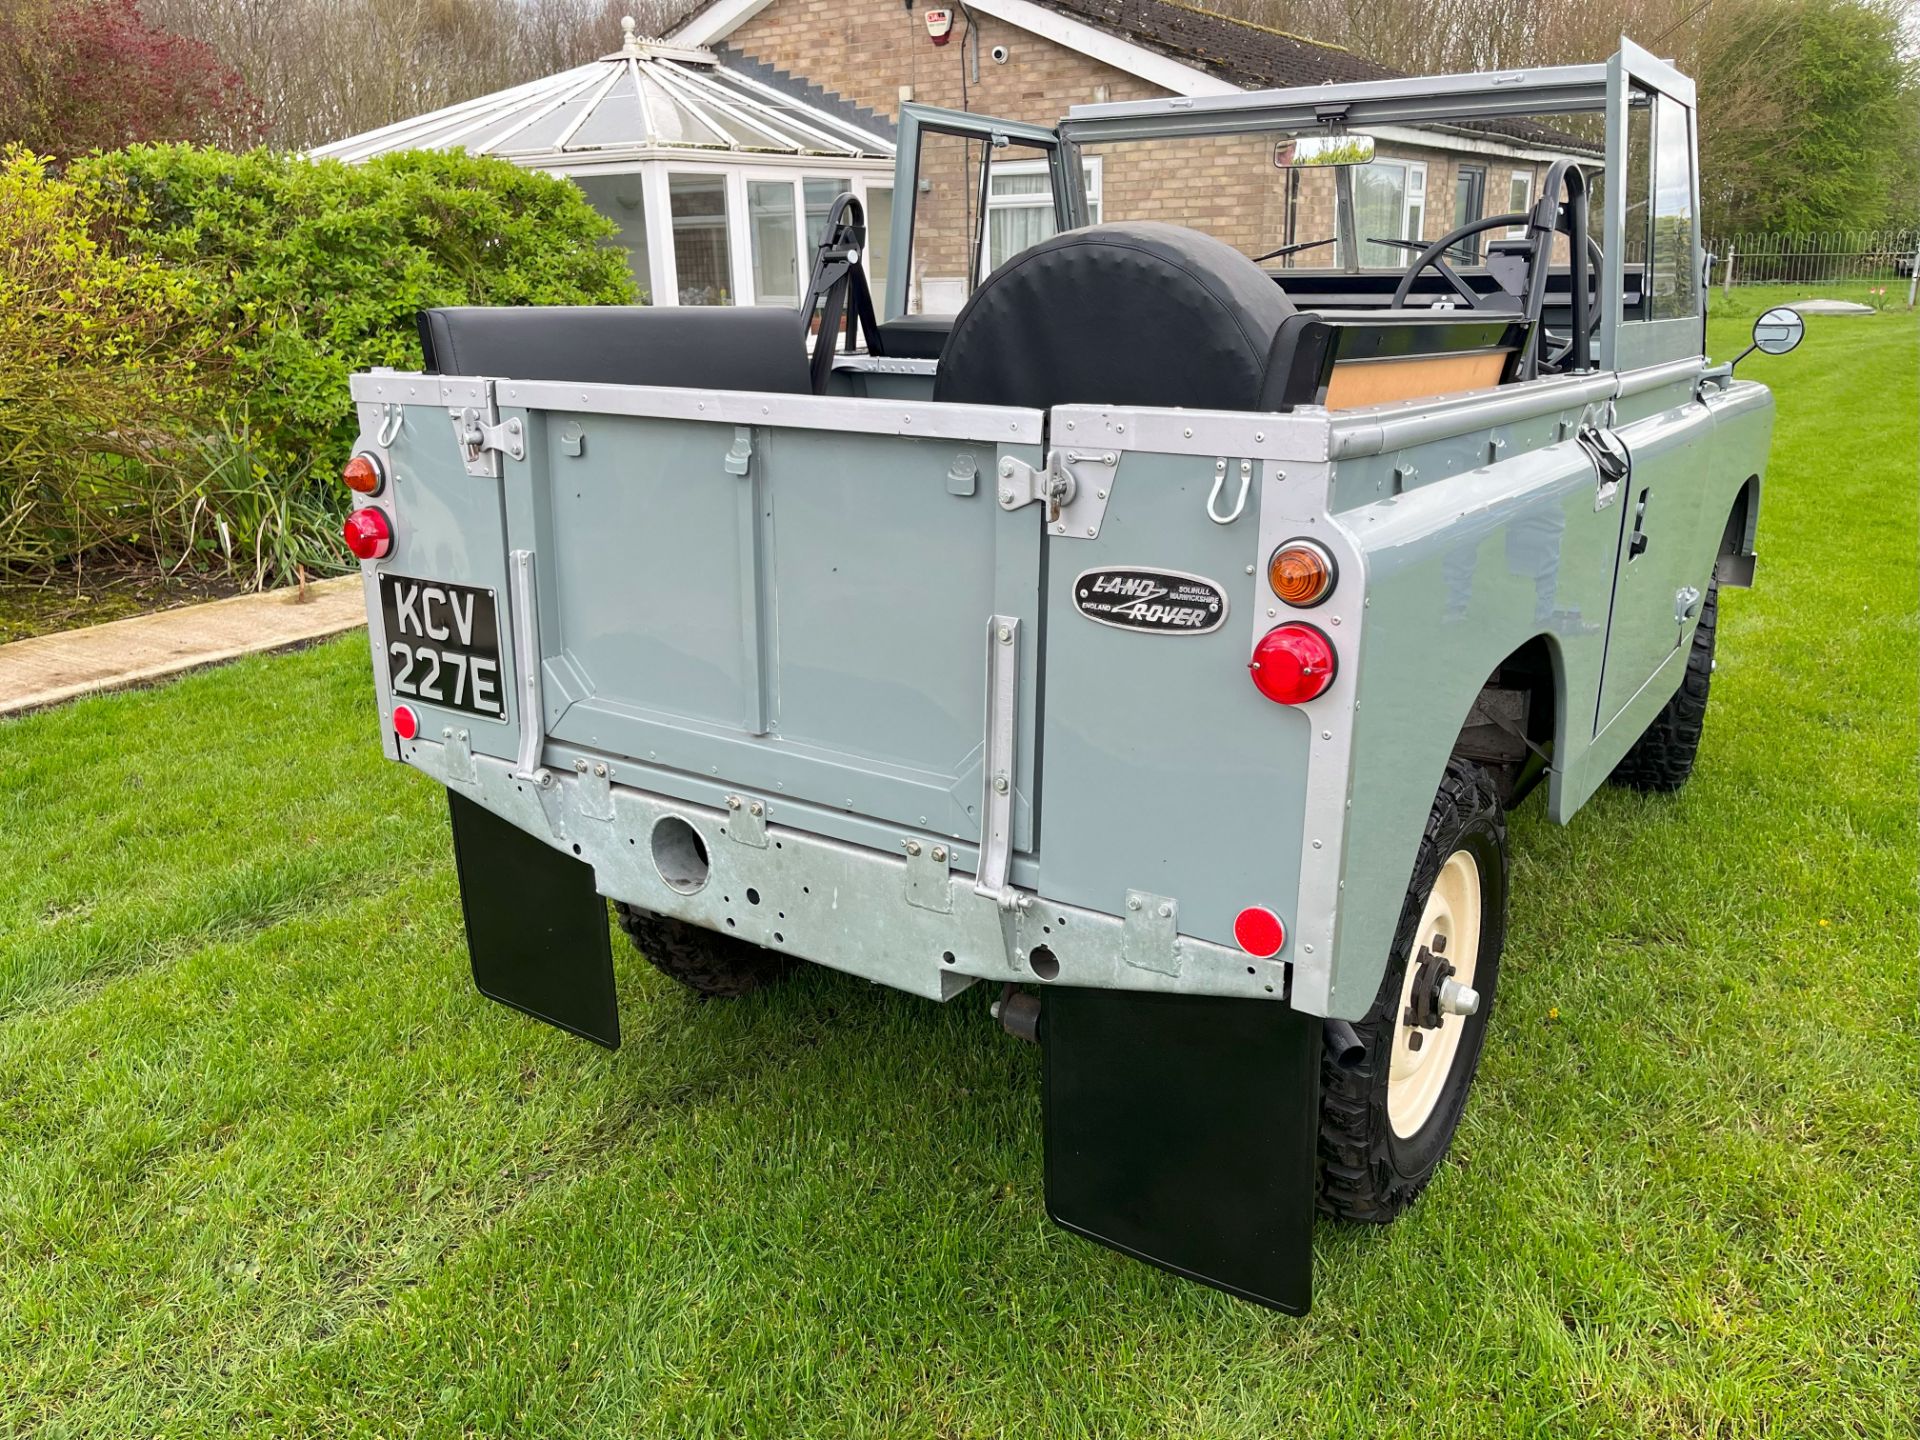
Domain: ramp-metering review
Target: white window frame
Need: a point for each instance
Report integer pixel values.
(1090, 168)
(664, 263)
(1525, 178)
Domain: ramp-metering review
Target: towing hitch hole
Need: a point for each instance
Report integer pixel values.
(680, 855)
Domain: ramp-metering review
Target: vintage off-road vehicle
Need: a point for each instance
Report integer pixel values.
(1160, 639)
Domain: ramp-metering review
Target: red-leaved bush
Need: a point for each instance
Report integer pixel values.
(80, 75)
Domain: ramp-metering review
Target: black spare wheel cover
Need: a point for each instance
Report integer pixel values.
(1124, 314)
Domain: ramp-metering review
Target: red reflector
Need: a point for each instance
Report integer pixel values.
(363, 474)
(1259, 931)
(369, 536)
(1292, 664)
(406, 724)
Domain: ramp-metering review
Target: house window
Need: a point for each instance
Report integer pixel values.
(1020, 207)
(820, 197)
(879, 237)
(701, 255)
(1390, 201)
(620, 198)
(776, 277)
(1519, 197)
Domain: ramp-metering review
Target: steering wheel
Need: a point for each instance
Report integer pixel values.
(1552, 215)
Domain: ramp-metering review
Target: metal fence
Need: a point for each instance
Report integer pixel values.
(1837, 257)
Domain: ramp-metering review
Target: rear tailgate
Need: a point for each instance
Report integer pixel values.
(794, 594)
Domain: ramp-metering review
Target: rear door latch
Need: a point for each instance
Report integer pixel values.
(1075, 507)
(484, 437)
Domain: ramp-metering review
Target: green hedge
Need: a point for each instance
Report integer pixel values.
(177, 326)
(322, 267)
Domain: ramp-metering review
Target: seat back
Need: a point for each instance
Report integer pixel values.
(698, 347)
(1126, 314)
(1344, 360)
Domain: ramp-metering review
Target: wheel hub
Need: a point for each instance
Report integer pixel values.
(1436, 996)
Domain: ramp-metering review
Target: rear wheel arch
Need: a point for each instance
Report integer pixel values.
(1514, 722)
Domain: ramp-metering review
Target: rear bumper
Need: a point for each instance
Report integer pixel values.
(906, 920)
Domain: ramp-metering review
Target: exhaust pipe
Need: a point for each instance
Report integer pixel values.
(1349, 1051)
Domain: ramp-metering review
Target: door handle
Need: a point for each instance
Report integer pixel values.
(1611, 461)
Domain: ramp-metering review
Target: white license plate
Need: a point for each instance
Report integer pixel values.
(443, 645)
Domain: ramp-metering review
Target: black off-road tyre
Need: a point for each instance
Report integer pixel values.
(1662, 758)
(716, 966)
(1366, 1171)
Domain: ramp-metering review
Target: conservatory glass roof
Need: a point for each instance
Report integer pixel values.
(646, 97)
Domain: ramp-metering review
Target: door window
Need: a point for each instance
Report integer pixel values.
(1637, 194)
(952, 236)
(1674, 293)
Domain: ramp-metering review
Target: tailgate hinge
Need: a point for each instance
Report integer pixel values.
(484, 438)
(1075, 506)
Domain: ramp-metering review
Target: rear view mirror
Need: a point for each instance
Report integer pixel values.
(1308, 152)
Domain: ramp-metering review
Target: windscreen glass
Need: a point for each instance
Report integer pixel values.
(1423, 182)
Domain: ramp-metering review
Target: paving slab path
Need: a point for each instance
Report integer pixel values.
(48, 669)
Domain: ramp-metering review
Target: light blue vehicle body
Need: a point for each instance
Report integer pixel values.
(811, 628)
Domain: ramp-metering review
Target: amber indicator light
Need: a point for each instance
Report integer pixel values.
(1301, 573)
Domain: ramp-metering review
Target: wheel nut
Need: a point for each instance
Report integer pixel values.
(1458, 999)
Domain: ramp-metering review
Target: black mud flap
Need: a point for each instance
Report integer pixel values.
(536, 927)
(1181, 1130)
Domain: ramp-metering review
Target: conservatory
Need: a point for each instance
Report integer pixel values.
(719, 181)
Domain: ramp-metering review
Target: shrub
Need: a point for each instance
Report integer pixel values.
(105, 363)
(80, 75)
(322, 267)
(177, 326)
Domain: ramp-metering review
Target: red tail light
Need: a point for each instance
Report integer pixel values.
(364, 475)
(1259, 932)
(1293, 664)
(406, 724)
(369, 533)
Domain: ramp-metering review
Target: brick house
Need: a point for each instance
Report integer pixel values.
(1030, 60)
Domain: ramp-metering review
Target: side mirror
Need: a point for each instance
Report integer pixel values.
(1775, 333)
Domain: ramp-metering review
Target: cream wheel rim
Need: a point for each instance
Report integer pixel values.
(1423, 1059)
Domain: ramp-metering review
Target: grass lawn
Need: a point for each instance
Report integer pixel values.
(271, 1166)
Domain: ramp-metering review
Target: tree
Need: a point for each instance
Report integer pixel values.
(326, 69)
(1810, 117)
(1809, 110)
(80, 75)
